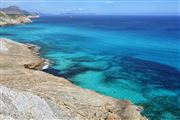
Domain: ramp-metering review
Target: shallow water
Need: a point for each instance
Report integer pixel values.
(134, 58)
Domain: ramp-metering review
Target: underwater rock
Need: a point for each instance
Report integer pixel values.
(98, 65)
(89, 78)
(160, 105)
(64, 64)
(114, 72)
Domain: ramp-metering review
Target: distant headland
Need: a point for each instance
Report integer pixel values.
(14, 15)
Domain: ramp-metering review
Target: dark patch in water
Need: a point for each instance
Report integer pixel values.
(155, 73)
(133, 29)
(173, 29)
(71, 37)
(7, 34)
(81, 59)
(76, 70)
(52, 71)
(29, 28)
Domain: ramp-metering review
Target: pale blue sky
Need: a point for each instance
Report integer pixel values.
(118, 7)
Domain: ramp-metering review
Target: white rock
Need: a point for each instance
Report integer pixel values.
(3, 46)
(26, 104)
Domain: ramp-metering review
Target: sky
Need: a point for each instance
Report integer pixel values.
(105, 7)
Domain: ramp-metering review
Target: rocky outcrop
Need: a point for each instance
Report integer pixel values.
(13, 15)
(36, 66)
(6, 19)
(33, 94)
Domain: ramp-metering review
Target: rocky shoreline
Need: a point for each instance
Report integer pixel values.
(28, 93)
(6, 19)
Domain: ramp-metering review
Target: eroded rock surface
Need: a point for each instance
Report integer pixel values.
(33, 94)
(13, 19)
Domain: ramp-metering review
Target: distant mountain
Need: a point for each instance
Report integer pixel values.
(14, 10)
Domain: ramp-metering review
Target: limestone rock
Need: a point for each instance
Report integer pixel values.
(36, 66)
(113, 117)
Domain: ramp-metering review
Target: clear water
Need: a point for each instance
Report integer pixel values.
(135, 58)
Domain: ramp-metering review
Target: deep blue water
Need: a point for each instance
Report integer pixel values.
(135, 58)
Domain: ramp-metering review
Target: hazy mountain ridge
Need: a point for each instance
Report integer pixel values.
(14, 10)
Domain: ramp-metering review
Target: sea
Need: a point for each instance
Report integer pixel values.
(134, 58)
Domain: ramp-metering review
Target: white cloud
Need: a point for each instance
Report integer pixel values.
(72, 10)
(80, 9)
(109, 1)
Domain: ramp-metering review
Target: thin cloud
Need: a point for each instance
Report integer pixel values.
(109, 2)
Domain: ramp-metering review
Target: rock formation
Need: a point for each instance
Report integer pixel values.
(13, 15)
(33, 94)
(6, 19)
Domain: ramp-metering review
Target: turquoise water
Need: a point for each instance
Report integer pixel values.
(135, 58)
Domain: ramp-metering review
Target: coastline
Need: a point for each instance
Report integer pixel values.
(30, 93)
(6, 19)
(58, 94)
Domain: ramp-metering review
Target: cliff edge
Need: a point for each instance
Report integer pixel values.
(33, 94)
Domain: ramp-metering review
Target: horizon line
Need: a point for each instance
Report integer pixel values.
(105, 1)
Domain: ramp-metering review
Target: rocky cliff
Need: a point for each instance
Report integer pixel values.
(6, 19)
(33, 94)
